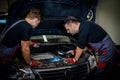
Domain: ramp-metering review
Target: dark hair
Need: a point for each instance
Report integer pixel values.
(34, 13)
(70, 19)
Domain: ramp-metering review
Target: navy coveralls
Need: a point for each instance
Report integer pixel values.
(11, 37)
(97, 38)
(10, 40)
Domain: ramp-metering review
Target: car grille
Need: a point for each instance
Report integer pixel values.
(75, 72)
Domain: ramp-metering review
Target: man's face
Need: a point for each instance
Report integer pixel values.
(35, 23)
(71, 28)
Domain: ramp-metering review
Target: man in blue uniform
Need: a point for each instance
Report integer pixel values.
(94, 36)
(16, 35)
(19, 34)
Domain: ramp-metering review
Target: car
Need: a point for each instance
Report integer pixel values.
(55, 45)
(53, 51)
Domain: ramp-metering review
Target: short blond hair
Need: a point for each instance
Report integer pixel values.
(34, 13)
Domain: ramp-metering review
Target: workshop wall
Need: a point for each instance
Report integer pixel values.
(108, 16)
(4, 5)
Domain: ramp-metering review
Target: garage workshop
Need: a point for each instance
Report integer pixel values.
(59, 40)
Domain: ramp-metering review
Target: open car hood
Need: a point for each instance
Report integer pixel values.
(54, 48)
(53, 11)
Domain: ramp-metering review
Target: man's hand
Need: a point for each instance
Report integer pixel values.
(70, 61)
(35, 63)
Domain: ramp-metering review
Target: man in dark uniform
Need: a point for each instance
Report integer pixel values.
(19, 34)
(94, 36)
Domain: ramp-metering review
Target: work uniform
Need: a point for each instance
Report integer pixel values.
(20, 30)
(12, 40)
(93, 36)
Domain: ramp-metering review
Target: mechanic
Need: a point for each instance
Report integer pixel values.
(18, 35)
(95, 37)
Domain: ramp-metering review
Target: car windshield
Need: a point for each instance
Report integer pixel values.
(51, 39)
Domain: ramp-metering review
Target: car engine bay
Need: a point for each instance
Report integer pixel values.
(51, 61)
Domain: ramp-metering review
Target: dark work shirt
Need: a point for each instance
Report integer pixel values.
(90, 32)
(21, 31)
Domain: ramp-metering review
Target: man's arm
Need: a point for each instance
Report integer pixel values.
(79, 52)
(26, 51)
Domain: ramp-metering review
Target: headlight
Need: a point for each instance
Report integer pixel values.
(92, 61)
(25, 74)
